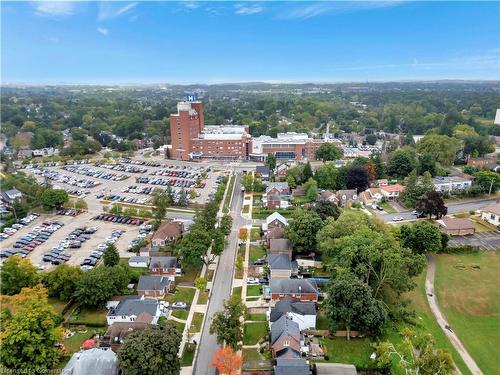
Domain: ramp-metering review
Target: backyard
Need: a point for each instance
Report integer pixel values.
(254, 332)
(467, 288)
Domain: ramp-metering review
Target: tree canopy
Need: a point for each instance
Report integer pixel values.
(302, 230)
(17, 273)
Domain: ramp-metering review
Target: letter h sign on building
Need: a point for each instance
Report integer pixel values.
(191, 98)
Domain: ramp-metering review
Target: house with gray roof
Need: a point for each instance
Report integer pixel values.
(9, 196)
(139, 261)
(154, 286)
(164, 266)
(132, 310)
(295, 366)
(96, 361)
(280, 265)
(263, 172)
(297, 289)
(285, 338)
(302, 313)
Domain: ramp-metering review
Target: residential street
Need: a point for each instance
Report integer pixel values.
(441, 320)
(221, 288)
(452, 208)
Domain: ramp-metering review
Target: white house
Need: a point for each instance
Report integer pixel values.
(134, 309)
(275, 220)
(450, 183)
(392, 192)
(302, 313)
(491, 214)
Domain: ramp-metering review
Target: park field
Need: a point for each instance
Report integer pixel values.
(468, 293)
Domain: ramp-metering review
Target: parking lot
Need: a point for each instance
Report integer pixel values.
(93, 182)
(104, 231)
(486, 240)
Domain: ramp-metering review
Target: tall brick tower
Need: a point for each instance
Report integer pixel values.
(185, 125)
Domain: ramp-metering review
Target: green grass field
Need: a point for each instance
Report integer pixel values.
(255, 234)
(237, 291)
(189, 275)
(253, 332)
(187, 357)
(467, 288)
(88, 316)
(73, 343)
(256, 252)
(255, 317)
(196, 322)
(253, 290)
(181, 294)
(354, 351)
(57, 304)
(251, 354)
(180, 314)
(203, 298)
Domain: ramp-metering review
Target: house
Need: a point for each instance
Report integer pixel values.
(139, 261)
(96, 361)
(285, 338)
(346, 196)
(491, 214)
(281, 188)
(274, 202)
(463, 175)
(295, 366)
(154, 286)
(450, 183)
(327, 195)
(9, 196)
(49, 151)
(371, 196)
(168, 232)
(263, 172)
(274, 234)
(275, 220)
(392, 192)
(280, 266)
(334, 369)
(280, 246)
(456, 226)
(135, 309)
(281, 170)
(380, 182)
(302, 313)
(481, 162)
(297, 289)
(298, 192)
(117, 332)
(166, 266)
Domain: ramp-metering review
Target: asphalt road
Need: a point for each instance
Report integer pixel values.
(221, 288)
(452, 208)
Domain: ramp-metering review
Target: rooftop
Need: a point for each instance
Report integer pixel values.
(291, 286)
(288, 305)
(493, 208)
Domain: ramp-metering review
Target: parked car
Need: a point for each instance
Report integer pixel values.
(179, 305)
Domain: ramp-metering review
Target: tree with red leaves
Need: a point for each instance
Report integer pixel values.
(227, 361)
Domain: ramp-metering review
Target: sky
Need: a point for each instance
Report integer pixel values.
(272, 41)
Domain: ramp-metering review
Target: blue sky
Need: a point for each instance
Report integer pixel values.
(212, 42)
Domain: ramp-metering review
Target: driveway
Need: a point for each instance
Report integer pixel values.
(484, 240)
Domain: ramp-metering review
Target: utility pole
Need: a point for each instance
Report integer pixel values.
(491, 186)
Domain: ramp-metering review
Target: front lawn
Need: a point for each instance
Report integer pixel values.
(180, 314)
(188, 275)
(467, 288)
(181, 294)
(387, 207)
(180, 326)
(209, 275)
(187, 356)
(202, 298)
(255, 234)
(254, 332)
(253, 290)
(237, 291)
(262, 213)
(256, 252)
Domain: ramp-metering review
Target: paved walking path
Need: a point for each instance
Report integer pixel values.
(431, 298)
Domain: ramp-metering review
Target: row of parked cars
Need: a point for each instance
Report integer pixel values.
(94, 257)
(177, 173)
(119, 219)
(165, 181)
(142, 162)
(144, 230)
(138, 189)
(70, 180)
(123, 168)
(59, 254)
(67, 212)
(55, 163)
(122, 198)
(80, 193)
(30, 241)
(96, 173)
(9, 231)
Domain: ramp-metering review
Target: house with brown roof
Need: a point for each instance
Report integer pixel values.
(285, 338)
(327, 195)
(118, 332)
(371, 196)
(280, 246)
(168, 232)
(392, 192)
(491, 214)
(455, 226)
(275, 233)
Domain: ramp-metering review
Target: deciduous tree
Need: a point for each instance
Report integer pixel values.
(62, 281)
(432, 203)
(442, 148)
(53, 198)
(111, 257)
(227, 361)
(17, 273)
(421, 237)
(302, 230)
(328, 152)
(226, 324)
(151, 351)
(326, 209)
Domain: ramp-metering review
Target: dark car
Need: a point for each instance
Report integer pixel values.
(47, 258)
(264, 281)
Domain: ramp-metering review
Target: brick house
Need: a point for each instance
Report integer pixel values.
(275, 220)
(154, 286)
(164, 266)
(296, 289)
(285, 338)
(274, 234)
(280, 246)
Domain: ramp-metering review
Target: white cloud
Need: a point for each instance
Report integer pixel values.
(103, 31)
(54, 8)
(108, 10)
(321, 8)
(191, 4)
(249, 9)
